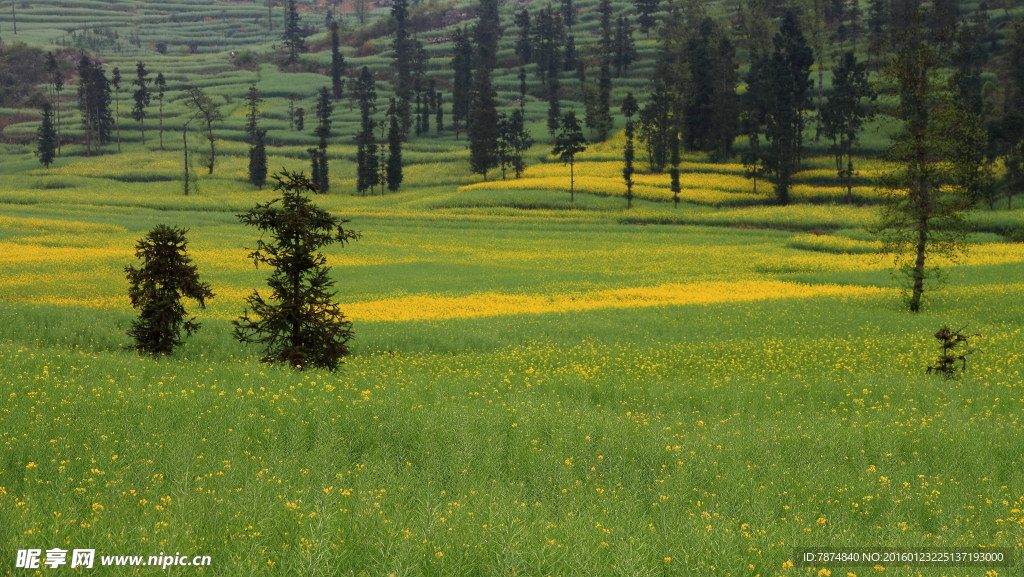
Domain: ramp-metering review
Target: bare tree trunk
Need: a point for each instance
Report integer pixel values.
(918, 275)
(184, 142)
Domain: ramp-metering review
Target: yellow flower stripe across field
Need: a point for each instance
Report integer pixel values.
(490, 304)
(64, 226)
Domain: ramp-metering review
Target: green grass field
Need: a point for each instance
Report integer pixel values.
(538, 387)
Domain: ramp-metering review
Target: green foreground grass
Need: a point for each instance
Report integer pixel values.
(650, 440)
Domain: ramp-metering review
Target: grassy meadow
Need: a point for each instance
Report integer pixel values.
(538, 387)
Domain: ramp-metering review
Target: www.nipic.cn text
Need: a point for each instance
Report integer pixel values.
(54, 558)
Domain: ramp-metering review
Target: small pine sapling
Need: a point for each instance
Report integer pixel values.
(952, 358)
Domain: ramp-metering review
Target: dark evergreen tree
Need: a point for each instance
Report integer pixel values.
(46, 137)
(300, 119)
(94, 104)
(752, 118)
(405, 50)
(568, 144)
(257, 135)
(462, 83)
(115, 83)
(258, 158)
(161, 89)
(656, 127)
(503, 144)
(571, 58)
(337, 64)
(844, 114)
(293, 37)
(439, 112)
(879, 14)
(324, 108)
(568, 13)
(301, 324)
(483, 125)
(624, 51)
(548, 40)
(554, 106)
(646, 10)
(520, 140)
(393, 174)
(787, 84)
(156, 289)
(367, 174)
(487, 33)
(252, 110)
(629, 109)
(141, 95)
(56, 78)
(711, 114)
(523, 47)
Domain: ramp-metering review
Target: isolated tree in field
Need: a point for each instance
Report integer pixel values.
(337, 64)
(570, 142)
(405, 50)
(924, 214)
(844, 114)
(300, 119)
(292, 37)
(439, 111)
(483, 125)
(115, 82)
(629, 109)
(46, 137)
(299, 323)
(393, 175)
(161, 89)
(156, 289)
(204, 110)
(141, 95)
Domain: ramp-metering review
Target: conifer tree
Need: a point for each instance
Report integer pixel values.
(94, 103)
(292, 37)
(523, 47)
(156, 289)
(46, 137)
(520, 140)
(141, 96)
(299, 323)
(646, 19)
(324, 108)
(57, 81)
(161, 88)
(394, 163)
(844, 114)
(404, 51)
(629, 109)
(568, 144)
(257, 144)
(439, 112)
(337, 64)
(568, 13)
(483, 126)
(115, 82)
(462, 83)
(367, 175)
(258, 158)
(487, 33)
(624, 51)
